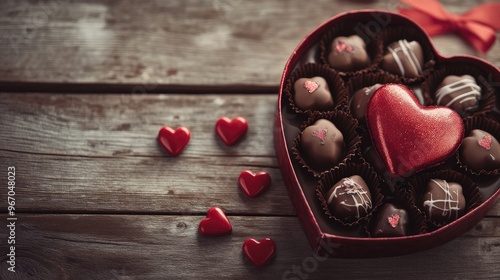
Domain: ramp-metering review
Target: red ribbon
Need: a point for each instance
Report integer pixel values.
(477, 26)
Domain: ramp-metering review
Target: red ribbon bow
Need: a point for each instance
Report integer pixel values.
(477, 26)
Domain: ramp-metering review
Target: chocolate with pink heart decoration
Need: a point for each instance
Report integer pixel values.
(259, 253)
(174, 141)
(408, 136)
(216, 223)
(231, 131)
(253, 184)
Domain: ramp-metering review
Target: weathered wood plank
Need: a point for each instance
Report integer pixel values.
(98, 153)
(153, 45)
(169, 247)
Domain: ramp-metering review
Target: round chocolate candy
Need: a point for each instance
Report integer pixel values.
(391, 222)
(403, 58)
(349, 199)
(443, 201)
(312, 94)
(461, 93)
(480, 151)
(322, 145)
(360, 100)
(348, 54)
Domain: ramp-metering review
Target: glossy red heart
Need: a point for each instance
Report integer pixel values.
(254, 184)
(174, 141)
(230, 131)
(216, 223)
(260, 252)
(408, 136)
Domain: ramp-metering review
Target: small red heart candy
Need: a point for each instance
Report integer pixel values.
(408, 136)
(260, 252)
(216, 223)
(174, 141)
(254, 184)
(230, 131)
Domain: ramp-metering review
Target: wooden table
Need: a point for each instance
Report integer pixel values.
(86, 86)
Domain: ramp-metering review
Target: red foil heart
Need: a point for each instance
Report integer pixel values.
(254, 184)
(174, 141)
(260, 252)
(408, 136)
(216, 223)
(230, 131)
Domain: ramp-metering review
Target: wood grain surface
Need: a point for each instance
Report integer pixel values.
(169, 247)
(156, 46)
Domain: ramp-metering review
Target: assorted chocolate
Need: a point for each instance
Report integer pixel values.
(404, 58)
(461, 93)
(312, 94)
(348, 53)
(412, 139)
(360, 100)
(322, 145)
(480, 151)
(349, 199)
(443, 202)
(391, 222)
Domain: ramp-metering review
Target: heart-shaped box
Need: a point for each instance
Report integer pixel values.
(335, 240)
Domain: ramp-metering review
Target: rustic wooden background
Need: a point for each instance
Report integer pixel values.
(96, 196)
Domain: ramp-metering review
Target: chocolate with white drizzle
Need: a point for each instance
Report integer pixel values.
(443, 202)
(403, 58)
(349, 199)
(461, 93)
(480, 151)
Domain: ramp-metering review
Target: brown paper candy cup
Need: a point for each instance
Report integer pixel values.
(346, 124)
(482, 123)
(402, 199)
(393, 34)
(335, 85)
(348, 28)
(417, 185)
(431, 83)
(344, 170)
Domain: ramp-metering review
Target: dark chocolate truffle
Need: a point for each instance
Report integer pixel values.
(480, 151)
(348, 54)
(391, 222)
(403, 58)
(312, 94)
(349, 199)
(443, 201)
(322, 145)
(360, 100)
(461, 93)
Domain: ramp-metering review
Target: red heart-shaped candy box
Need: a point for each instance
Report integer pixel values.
(301, 185)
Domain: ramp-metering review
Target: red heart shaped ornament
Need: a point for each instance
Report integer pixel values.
(260, 252)
(216, 223)
(408, 136)
(174, 141)
(254, 184)
(230, 131)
